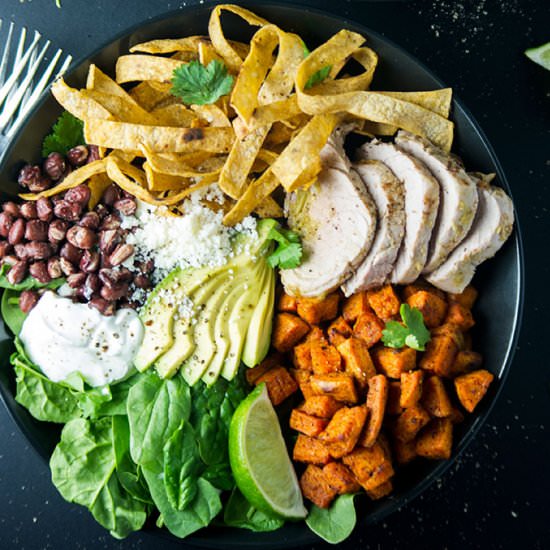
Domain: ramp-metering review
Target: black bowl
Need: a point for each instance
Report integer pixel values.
(500, 281)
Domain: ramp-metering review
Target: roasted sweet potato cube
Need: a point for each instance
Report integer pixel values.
(316, 487)
(458, 315)
(324, 358)
(411, 388)
(370, 466)
(307, 424)
(302, 378)
(466, 361)
(280, 384)
(436, 440)
(338, 331)
(340, 478)
(322, 406)
(287, 303)
(432, 307)
(377, 398)
(357, 360)
(384, 302)
(439, 355)
(316, 334)
(369, 328)
(269, 362)
(404, 451)
(471, 387)
(456, 416)
(288, 330)
(301, 356)
(392, 362)
(411, 289)
(343, 430)
(310, 450)
(410, 422)
(383, 490)
(435, 398)
(339, 385)
(315, 310)
(354, 306)
(451, 331)
(393, 406)
(466, 298)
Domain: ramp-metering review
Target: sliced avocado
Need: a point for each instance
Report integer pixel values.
(258, 337)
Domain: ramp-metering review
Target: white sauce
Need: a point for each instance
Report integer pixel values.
(63, 337)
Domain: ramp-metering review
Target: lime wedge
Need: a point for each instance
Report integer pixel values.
(540, 55)
(259, 459)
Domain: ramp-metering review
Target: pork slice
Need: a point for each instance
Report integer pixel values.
(493, 224)
(458, 197)
(336, 220)
(388, 194)
(421, 204)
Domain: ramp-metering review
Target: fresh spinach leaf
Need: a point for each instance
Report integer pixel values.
(220, 475)
(83, 469)
(119, 397)
(11, 312)
(238, 512)
(336, 523)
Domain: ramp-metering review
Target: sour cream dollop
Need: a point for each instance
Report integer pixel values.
(63, 337)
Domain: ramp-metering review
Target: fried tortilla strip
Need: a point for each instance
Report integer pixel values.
(97, 185)
(437, 101)
(130, 68)
(149, 97)
(269, 208)
(207, 53)
(213, 115)
(77, 104)
(174, 115)
(227, 50)
(282, 110)
(160, 139)
(158, 182)
(121, 109)
(78, 176)
(169, 45)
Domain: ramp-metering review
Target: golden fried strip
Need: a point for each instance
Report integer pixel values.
(77, 104)
(130, 68)
(169, 45)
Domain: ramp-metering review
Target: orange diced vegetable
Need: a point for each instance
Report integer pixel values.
(287, 303)
(411, 388)
(338, 331)
(338, 385)
(307, 424)
(315, 335)
(436, 440)
(410, 422)
(392, 362)
(382, 490)
(354, 306)
(357, 360)
(460, 316)
(316, 487)
(369, 328)
(322, 406)
(456, 416)
(377, 398)
(384, 302)
(432, 307)
(439, 355)
(315, 310)
(466, 361)
(302, 378)
(343, 430)
(301, 356)
(451, 331)
(324, 358)
(310, 450)
(466, 298)
(370, 466)
(393, 406)
(471, 387)
(404, 451)
(435, 398)
(409, 290)
(268, 363)
(288, 330)
(340, 478)
(280, 384)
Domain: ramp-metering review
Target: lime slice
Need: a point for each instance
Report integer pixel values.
(540, 55)
(259, 459)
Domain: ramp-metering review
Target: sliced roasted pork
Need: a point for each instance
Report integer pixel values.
(336, 219)
(492, 225)
(458, 197)
(421, 204)
(389, 197)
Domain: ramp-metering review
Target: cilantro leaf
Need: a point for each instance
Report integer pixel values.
(318, 77)
(412, 332)
(288, 253)
(66, 133)
(196, 84)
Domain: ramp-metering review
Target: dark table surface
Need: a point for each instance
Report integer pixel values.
(496, 495)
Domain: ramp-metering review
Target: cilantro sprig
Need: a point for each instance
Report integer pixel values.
(67, 132)
(196, 84)
(412, 332)
(288, 253)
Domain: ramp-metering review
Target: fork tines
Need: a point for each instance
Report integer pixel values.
(24, 74)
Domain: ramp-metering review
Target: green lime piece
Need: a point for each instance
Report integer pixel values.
(259, 459)
(540, 55)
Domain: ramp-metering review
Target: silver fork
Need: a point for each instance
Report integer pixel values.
(24, 74)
